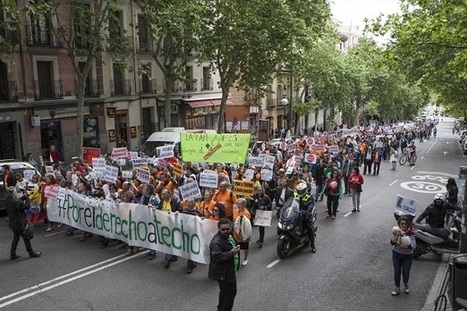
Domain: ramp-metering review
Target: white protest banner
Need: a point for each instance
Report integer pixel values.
(111, 173)
(263, 218)
(118, 153)
(289, 170)
(406, 205)
(179, 234)
(256, 161)
(51, 192)
(266, 175)
(29, 174)
(333, 149)
(189, 190)
(269, 159)
(49, 170)
(138, 162)
(165, 151)
(127, 174)
(249, 174)
(142, 175)
(208, 180)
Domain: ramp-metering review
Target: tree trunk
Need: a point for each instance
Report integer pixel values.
(80, 115)
(358, 110)
(221, 122)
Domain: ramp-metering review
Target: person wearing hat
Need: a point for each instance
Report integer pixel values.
(15, 209)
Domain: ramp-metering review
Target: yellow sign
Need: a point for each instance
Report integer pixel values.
(216, 148)
(243, 187)
(178, 169)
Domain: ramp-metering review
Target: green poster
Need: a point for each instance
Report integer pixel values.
(214, 148)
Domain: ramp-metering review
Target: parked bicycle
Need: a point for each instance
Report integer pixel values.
(407, 157)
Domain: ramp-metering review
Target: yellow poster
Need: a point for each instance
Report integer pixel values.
(243, 187)
(178, 169)
(214, 148)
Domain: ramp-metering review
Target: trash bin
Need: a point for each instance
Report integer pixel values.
(459, 279)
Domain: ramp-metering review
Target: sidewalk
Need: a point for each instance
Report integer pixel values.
(439, 287)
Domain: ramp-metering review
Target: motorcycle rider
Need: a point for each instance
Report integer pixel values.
(306, 204)
(435, 213)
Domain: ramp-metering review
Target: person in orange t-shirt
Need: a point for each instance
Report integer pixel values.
(207, 206)
(226, 197)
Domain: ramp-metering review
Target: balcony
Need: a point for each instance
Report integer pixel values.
(41, 36)
(10, 33)
(147, 86)
(48, 89)
(120, 87)
(270, 103)
(144, 46)
(8, 91)
(190, 87)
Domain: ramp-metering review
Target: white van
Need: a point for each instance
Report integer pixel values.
(168, 136)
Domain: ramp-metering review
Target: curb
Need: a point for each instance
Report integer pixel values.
(439, 287)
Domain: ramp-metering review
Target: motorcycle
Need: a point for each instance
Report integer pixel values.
(437, 240)
(292, 233)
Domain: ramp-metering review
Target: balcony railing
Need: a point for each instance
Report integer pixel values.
(120, 87)
(206, 85)
(190, 87)
(147, 86)
(91, 89)
(48, 89)
(41, 35)
(8, 91)
(144, 46)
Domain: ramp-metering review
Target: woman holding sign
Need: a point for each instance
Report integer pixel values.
(261, 203)
(242, 228)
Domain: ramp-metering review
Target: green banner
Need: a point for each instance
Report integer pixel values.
(214, 148)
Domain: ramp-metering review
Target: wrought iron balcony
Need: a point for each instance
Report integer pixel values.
(8, 91)
(48, 89)
(120, 87)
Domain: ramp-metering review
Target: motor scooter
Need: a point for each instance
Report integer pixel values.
(292, 233)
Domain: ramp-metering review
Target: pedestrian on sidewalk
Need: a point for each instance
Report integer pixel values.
(403, 243)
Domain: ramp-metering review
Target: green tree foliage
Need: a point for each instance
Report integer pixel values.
(174, 27)
(428, 44)
(246, 40)
(10, 14)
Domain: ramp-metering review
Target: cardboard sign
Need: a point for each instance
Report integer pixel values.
(310, 158)
(291, 148)
(263, 218)
(333, 149)
(225, 148)
(177, 169)
(269, 159)
(249, 173)
(110, 173)
(190, 190)
(138, 162)
(256, 161)
(406, 205)
(208, 180)
(49, 170)
(127, 174)
(90, 153)
(142, 175)
(289, 170)
(244, 188)
(266, 175)
(98, 164)
(29, 174)
(316, 147)
(118, 153)
(133, 155)
(165, 152)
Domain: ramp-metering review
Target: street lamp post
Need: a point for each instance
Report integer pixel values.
(284, 103)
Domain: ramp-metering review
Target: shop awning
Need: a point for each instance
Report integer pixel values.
(199, 103)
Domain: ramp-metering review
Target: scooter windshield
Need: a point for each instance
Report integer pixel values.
(290, 210)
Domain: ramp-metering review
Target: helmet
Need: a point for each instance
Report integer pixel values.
(301, 188)
(439, 197)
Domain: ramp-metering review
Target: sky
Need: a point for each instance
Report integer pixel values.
(353, 12)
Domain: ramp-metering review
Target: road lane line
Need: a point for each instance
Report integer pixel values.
(413, 167)
(429, 149)
(272, 264)
(347, 214)
(392, 183)
(55, 233)
(59, 278)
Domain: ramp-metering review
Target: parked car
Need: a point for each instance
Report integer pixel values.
(15, 167)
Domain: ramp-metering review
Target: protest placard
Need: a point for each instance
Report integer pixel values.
(49, 170)
(208, 180)
(291, 148)
(142, 175)
(243, 187)
(90, 153)
(310, 158)
(51, 192)
(177, 169)
(256, 161)
(333, 149)
(138, 162)
(318, 148)
(263, 218)
(29, 174)
(269, 159)
(165, 151)
(127, 174)
(310, 141)
(134, 155)
(249, 174)
(189, 190)
(225, 148)
(110, 173)
(118, 153)
(266, 174)
(406, 205)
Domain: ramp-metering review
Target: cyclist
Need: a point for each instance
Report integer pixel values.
(412, 153)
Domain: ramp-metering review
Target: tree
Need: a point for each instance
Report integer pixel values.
(174, 27)
(248, 42)
(85, 30)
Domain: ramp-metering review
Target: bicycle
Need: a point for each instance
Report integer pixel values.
(407, 157)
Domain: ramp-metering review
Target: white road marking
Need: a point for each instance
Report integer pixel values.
(272, 264)
(392, 183)
(413, 167)
(55, 233)
(347, 214)
(421, 158)
(40, 289)
(429, 149)
(438, 173)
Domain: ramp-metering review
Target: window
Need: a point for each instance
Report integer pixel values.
(45, 80)
(144, 41)
(189, 76)
(206, 79)
(146, 83)
(40, 30)
(81, 20)
(118, 81)
(115, 29)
